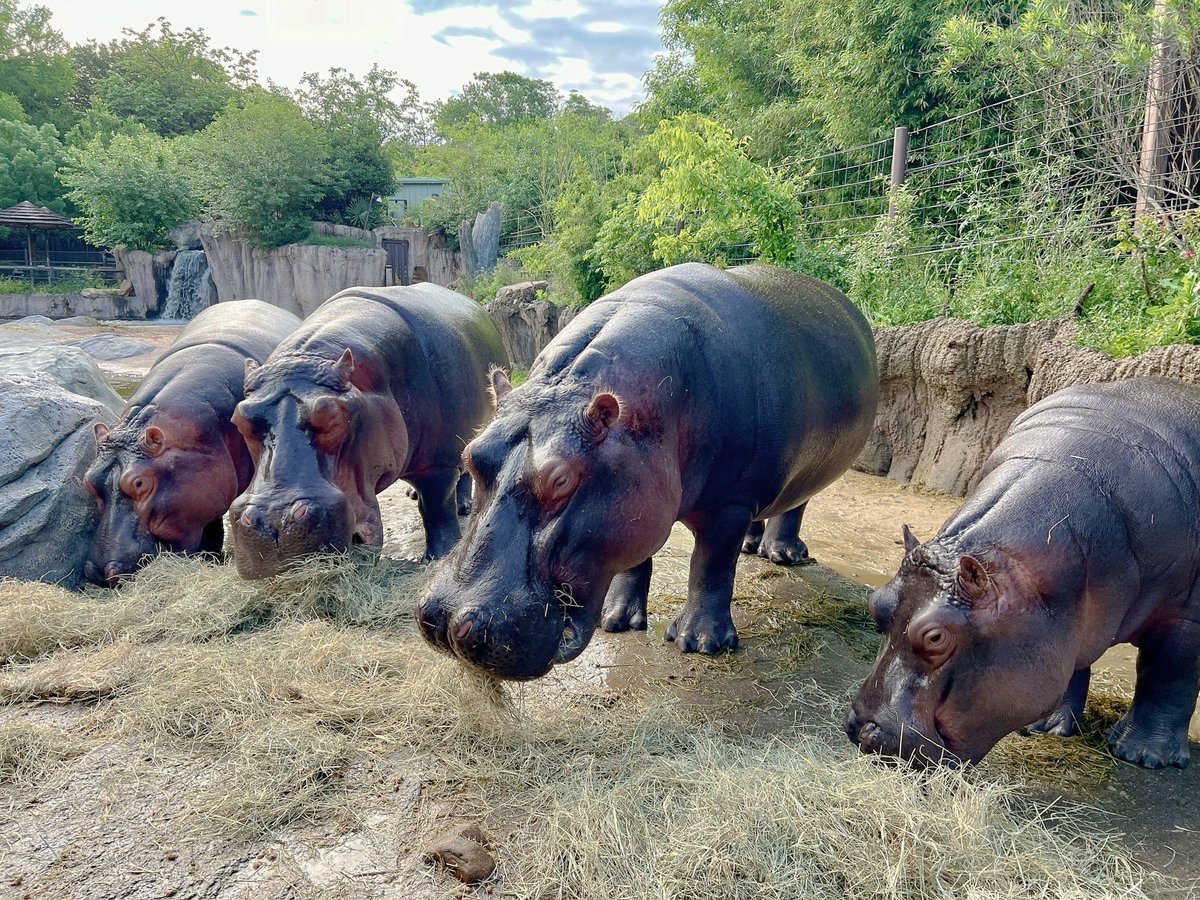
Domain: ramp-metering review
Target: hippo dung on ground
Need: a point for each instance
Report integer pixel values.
(1082, 534)
(715, 398)
(168, 470)
(378, 384)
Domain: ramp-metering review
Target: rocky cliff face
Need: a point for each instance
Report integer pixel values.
(950, 390)
(527, 324)
(296, 277)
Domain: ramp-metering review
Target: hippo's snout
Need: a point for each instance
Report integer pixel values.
(271, 533)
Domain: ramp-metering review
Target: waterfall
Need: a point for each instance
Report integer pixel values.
(191, 287)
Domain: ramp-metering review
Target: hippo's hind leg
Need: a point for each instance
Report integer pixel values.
(781, 542)
(1154, 733)
(625, 603)
(1065, 720)
(463, 494)
(437, 494)
(704, 623)
(754, 536)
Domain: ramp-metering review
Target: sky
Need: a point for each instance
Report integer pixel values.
(600, 48)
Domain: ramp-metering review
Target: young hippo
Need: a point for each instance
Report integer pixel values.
(168, 470)
(1082, 534)
(715, 398)
(378, 384)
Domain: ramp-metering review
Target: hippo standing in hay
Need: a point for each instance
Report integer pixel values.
(166, 473)
(378, 384)
(1083, 533)
(715, 398)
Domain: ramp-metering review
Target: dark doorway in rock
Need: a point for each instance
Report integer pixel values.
(397, 254)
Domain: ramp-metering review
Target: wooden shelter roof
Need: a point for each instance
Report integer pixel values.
(26, 215)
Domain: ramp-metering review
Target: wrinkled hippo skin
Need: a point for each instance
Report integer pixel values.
(378, 384)
(167, 471)
(715, 398)
(1083, 533)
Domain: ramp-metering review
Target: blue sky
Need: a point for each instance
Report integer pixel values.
(600, 49)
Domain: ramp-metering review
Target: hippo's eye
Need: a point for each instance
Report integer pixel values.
(137, 487)
(556, 482)
(933, 642)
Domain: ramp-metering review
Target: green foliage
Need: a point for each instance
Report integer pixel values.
(335, 240)
(29, 157)
(173, 82)
(35, 67)
(261, 168)
(65, 284)
(502, 98)
(132, 189)
(483, 286)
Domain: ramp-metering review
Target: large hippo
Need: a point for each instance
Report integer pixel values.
(378, 384)
(715, 398)
(168, 470)
(1083, 533)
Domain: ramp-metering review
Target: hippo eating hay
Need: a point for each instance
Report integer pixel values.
(691, 394)
(1083, 533)
(168, 470)
(378, 384)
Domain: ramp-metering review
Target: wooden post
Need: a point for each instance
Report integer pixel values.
(1154, 158)
(899, 166)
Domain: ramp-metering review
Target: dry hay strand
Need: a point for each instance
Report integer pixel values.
(29, 751)
(72, 676)
(37, 618)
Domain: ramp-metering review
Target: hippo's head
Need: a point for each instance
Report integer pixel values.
(572, 486)
(159, 487)
(298, 418)
(970, 653)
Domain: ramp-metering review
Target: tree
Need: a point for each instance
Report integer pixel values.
(173, 82)
(34, 64)
(29, 157)
(132, 189)
(503, 98)
(261, 168)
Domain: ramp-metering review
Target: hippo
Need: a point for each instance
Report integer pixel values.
(715, 398)
(1082, 533)
(378, 384)
(166, 473)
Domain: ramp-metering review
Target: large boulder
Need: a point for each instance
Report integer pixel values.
(68, 367)
(47, 442)
(526, 322)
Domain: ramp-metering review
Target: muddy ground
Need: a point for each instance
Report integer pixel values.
(72, 836)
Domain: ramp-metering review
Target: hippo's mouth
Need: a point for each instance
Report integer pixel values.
(577, 624)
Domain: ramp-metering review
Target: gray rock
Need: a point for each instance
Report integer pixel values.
(46, 444)
(78, 320)
(33, 320)
(111, 346)
(527, 324)
(186, 235)
(68, 367)
(24, 333)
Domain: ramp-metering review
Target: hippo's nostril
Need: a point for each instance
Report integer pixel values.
(112, 574)
(245, 520)
(870, 738)
(463, 628)
(299, 511)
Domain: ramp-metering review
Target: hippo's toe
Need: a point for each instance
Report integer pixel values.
(704, 633)
(1150, 748)
(622, 613)
(785, 552)
(1060, 723)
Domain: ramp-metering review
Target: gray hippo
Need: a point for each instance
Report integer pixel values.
(1083, 533)
(168, 470)
(715, 398)
(378, 384)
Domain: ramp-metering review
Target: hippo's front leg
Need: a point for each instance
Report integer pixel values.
(437, 498)
(1154, 733)
(1065, 720)
(704, 623)
(625, 603)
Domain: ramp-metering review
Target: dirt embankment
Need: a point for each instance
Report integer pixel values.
(950, 389)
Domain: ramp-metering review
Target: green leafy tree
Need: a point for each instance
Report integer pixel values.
(35, 67)
(261, 169)
(173, 82)
(29, 157)
(132, 189)
(502, 98)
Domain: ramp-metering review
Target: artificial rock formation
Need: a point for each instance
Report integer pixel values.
(527, 323)
(47, 442)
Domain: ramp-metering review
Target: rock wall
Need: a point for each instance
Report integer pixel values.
(296, 277)
(425, 249)
(950, 389)
(97, 304)
(149, 274)
(527, 324)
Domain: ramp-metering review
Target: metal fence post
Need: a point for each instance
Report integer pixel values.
(899, 166)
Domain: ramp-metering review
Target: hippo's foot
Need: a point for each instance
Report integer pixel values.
(1151, 748)
(784, 552)
(625, 605)
(753, 538)
(1061, 723)
(703, 631)
(462, 494)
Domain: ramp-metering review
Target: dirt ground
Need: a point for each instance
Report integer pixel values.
(62, 841)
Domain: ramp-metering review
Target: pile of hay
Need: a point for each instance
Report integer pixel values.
(289, 689)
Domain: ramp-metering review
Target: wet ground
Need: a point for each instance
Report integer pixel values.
(785, 673)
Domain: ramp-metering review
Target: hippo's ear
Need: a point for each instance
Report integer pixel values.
(344, 367)
(911, 541)
(602, 413)
(500, 385)
(154, 440)
(973, 580)
(101, 432)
